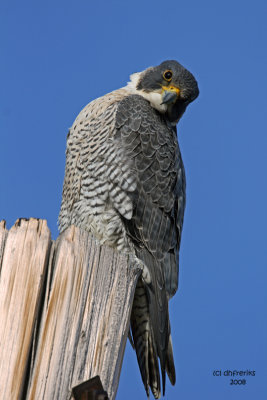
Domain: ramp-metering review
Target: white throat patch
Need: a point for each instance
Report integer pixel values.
(154, 98)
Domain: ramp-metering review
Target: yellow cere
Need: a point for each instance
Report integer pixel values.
(171, 89)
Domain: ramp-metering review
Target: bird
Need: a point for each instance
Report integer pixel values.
(125, 184)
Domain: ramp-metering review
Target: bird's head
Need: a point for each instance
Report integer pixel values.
(169, 88)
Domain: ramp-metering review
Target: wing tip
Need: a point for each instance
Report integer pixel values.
(170, 368)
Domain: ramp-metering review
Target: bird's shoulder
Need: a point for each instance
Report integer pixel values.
(95, 109)
(105, 115)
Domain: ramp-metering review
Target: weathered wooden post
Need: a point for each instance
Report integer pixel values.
(64, 309)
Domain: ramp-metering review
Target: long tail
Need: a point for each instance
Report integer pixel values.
(151, 328)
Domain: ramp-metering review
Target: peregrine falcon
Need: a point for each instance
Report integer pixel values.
(125, 183)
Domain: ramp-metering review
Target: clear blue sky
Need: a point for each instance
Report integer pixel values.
(59, 55)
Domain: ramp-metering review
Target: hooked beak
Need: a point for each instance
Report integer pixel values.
(169, 94)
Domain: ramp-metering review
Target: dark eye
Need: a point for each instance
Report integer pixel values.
(167, 75)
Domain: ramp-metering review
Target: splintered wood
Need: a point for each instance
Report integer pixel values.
(23, 267)
(64, 309)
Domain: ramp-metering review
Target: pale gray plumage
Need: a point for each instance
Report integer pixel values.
(125, 183)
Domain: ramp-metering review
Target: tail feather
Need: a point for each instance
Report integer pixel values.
(154, 377)
(143, 341)
(151, 328)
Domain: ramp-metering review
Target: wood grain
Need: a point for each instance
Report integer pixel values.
(67, 305)
(85, 323)
(24, 263)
